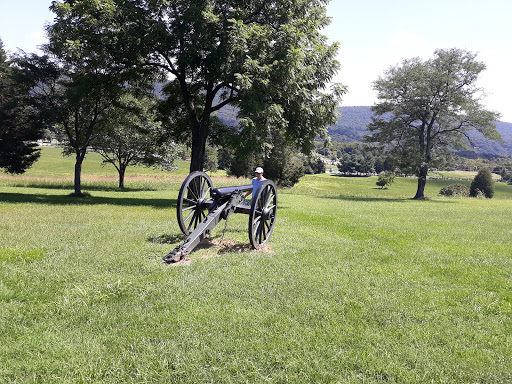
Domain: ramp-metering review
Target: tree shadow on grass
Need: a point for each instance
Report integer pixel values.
(167, 239)
(88, 200)
(217, 244)
(368, 199)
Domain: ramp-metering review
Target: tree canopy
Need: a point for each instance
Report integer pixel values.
(426, 107)
(133, 136)
(266, 58)
(18, 132)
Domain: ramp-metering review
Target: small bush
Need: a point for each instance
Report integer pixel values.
(483, 184)
(455, 190)
(385, 179)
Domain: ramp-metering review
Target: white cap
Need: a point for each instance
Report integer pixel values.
(258, 170)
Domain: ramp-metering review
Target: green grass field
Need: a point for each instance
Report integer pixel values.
(358, 284)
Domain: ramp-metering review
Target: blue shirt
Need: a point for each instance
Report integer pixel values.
(256, 184)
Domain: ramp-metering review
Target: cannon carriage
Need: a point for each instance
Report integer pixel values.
(201, 207)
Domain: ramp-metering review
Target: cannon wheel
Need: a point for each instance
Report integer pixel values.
(193, 201)
(263, 214)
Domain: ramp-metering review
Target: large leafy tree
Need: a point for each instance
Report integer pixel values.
(267, 58)
(426, 107)
(18, 132)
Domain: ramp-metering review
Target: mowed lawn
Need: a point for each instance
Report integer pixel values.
(358, 284)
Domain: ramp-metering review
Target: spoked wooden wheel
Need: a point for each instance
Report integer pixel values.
(194, 201)
(263, 214)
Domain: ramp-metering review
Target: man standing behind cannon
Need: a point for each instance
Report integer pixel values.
(256, 181)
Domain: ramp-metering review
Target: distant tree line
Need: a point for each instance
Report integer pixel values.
(357, 158)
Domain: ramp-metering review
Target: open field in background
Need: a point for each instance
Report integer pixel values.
(364, 187)
(459, 175)
(53, 170)
(358, 284)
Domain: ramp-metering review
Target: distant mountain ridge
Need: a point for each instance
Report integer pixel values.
(351, 124)
(351, 127)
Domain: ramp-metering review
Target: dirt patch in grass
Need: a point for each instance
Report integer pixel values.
(217, 248)
(184, 261)
(229, 246)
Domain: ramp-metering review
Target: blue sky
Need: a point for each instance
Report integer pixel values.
(376, 34)
(373, 35)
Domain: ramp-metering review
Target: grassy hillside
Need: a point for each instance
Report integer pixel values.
(357, 285)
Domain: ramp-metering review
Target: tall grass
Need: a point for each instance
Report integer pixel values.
(55, 171)
(357, 285)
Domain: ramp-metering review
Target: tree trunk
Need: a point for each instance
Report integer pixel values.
(121, 171)
(78, 175)
(422, 181)
(199, 136)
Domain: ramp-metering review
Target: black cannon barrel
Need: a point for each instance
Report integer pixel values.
(222, 192)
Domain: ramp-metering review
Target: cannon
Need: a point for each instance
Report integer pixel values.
(201, 207)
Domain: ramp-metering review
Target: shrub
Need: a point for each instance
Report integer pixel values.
(482, 183)
(459, 190)
(385, 178)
